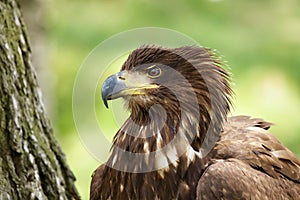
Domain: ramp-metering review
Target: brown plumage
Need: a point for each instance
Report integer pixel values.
(183, 95)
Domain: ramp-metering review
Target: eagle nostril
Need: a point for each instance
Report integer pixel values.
(121, 78)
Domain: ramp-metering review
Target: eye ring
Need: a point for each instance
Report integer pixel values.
(154, 72)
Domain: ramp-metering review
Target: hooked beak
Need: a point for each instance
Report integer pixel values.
(124, 84)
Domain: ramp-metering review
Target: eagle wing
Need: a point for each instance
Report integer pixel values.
(248, 162)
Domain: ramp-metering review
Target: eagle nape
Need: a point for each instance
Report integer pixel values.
(245, 161)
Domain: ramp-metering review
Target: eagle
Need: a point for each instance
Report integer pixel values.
(180, 143)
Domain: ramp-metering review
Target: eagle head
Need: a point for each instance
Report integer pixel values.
(169, 82)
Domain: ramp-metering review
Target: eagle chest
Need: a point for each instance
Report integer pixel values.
(174, 182)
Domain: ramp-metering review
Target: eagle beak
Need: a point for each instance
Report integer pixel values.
(125, 84)
(112, 88)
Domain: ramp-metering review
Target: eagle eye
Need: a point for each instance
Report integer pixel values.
(154, 71)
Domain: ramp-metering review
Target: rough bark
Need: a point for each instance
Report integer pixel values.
(32, 165)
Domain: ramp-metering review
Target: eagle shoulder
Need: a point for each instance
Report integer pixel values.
(251, 163)
(248, 140)
(234, 179)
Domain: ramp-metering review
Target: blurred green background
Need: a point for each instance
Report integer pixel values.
(260, 41)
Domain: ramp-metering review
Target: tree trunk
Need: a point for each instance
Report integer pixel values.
(32, 165)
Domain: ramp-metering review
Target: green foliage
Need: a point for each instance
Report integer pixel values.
(260, 41)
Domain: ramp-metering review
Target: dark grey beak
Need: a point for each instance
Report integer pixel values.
(112, 87)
